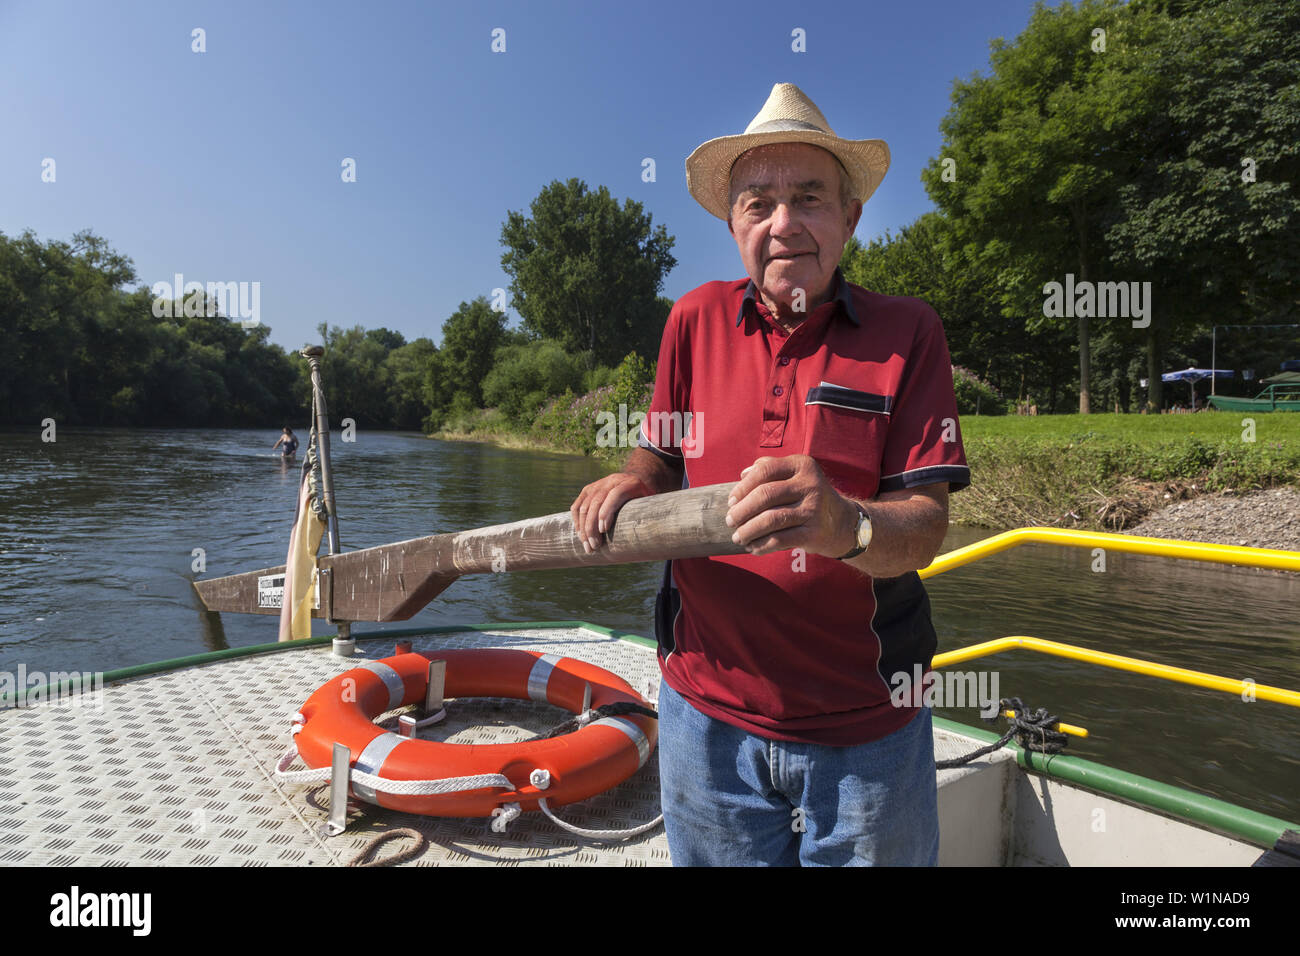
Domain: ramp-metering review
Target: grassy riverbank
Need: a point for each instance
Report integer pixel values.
(1102, 472)
(1107, 472)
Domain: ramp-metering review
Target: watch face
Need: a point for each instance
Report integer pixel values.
(864, 531)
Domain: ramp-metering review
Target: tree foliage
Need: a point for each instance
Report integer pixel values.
(1109, 141)
(82, 350)
(587, 272)
(1211, 214)
(526, 375)
(470, 339)
(1038, 148)
(373, 376)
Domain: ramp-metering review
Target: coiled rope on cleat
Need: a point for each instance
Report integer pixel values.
(1032, 730)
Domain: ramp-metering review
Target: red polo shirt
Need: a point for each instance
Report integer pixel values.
(791, 645)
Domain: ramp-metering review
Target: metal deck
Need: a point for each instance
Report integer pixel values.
(176, 769)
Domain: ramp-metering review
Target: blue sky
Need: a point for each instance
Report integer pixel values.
(225, 165)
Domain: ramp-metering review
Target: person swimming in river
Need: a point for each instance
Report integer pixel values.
(290, 442)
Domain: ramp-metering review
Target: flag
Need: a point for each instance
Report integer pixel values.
(300, 564)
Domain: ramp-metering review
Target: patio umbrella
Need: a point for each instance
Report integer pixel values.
(1194, 375)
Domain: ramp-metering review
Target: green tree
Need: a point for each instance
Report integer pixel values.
(386, 338)
(108, 378)
(587, 272)
(82, 349)
(526, 375)
(471, 337)
(50, 296)
(355, 375)
(1036, 155)
(1211, 214)
(407, 370)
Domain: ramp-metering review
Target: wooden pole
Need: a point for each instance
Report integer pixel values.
(394, 581)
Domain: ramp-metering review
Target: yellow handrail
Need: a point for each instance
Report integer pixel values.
(1164, 547)
(1247, 688)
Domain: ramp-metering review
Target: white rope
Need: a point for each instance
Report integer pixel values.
(501, 816)
(607, 835)
(408, 788)
(415, 724)
(432, 719)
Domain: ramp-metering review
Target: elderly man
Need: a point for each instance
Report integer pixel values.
(832, 408)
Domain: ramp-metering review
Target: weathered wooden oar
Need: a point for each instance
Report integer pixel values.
(394, 581)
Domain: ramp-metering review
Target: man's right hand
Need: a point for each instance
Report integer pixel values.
(596, 505)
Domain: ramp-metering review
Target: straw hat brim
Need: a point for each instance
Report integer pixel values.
(708, 169)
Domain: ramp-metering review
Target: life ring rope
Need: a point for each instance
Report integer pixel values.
(501, 817)
(599, 834)
(405, 788)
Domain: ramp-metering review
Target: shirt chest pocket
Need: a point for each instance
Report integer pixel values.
(845, 431)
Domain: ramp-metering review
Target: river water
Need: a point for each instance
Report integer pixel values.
(99, 531)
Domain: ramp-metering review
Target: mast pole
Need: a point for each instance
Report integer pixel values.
(344, 645)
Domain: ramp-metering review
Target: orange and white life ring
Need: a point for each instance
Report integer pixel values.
(474, 780)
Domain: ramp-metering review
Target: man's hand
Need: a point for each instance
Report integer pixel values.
(597, 504)
(784, 503)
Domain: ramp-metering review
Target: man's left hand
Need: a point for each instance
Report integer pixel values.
(784, 503)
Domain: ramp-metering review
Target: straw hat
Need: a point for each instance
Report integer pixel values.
(788, 116)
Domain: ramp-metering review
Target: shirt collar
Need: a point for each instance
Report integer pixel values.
(843, 295)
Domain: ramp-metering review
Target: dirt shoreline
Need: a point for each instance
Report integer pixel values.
(1259, 519)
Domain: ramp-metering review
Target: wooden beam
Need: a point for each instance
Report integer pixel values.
(394, 581)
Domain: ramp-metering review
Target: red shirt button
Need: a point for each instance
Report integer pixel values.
(777, 390)
(785, 360)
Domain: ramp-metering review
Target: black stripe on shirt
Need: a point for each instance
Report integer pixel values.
(957, 476)
(849, 398)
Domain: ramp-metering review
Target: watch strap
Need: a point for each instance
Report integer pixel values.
(862, 515)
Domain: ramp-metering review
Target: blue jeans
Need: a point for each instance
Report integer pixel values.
(732, 798)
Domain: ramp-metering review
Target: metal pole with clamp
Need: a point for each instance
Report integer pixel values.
(344, 645)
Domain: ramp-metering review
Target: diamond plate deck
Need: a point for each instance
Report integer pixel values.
(176, 769)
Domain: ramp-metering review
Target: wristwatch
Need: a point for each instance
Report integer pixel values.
(862, 533)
